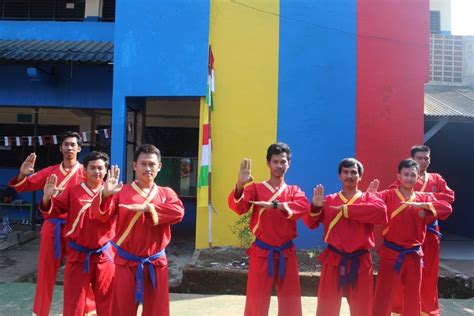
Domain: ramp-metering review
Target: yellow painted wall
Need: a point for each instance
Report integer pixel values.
(244, 121)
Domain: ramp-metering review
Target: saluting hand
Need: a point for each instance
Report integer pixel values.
(318, 196)
(112, 185)
(373, 186)
(28, 166)
(50, 189)
(245, 173)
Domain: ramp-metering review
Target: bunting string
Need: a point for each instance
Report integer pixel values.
(44, 140)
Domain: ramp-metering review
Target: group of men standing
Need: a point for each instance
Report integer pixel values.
(407, 213)
(113, 235)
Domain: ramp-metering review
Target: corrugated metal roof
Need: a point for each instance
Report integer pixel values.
(57, 51)
(449, 101)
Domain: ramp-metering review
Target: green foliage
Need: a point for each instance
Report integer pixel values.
(311, 253)
(241, 229)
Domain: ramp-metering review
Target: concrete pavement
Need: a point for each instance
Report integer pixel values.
(16, 300)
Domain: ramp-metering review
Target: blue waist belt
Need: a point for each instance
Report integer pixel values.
(89, 252)
(344, 278)
(271, 255)
(57, 235)
(139, 275)
(403, 252)
(431, 228)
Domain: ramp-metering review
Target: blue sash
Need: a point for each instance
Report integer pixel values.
(139, 275)
(431, 228)
(350, 278)
(271, 255)
(57, 235)
(403, 252)
(89, 252)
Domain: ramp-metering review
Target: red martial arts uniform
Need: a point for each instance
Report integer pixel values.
(401, 253)
(274, 231)
(347, 264)
(141, 272)
(51, 253)
(89, 254)
(433, 183)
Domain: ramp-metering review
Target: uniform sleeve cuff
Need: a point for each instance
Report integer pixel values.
(154, 215)
(46, 211)
(17, 184)
(315, 211)
(100, 204)
(287, 209)
(345, 210)
(432, 209)
(239, 199)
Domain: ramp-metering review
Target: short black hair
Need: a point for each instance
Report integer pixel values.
(72, 134)
(350, 162)
(418, 148)
(278, 148)
(408, 163)
(147, 149)
(96, 155)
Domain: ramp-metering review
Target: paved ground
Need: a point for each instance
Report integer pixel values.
(16, 299)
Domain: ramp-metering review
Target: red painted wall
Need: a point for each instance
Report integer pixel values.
(392, 67)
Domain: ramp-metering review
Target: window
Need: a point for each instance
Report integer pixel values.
(47, 155)
(108, 10)
(48, 10)
(435, 22)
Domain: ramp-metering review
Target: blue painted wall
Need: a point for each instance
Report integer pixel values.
(48, 30)
(317, 94)
(89, 87)
(5, 175)
(161, 49)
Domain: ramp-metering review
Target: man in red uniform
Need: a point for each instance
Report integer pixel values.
(144, 214)
(401, 255)
(52, 245)
(348, 217)
(434, 183)
(276, 208)
(89, 259)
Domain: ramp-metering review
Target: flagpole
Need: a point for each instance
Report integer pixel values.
(210, 108)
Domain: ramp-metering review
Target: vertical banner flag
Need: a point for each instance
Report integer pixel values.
(204, 179)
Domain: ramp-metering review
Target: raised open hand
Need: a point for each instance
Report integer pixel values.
(373, 186)
(318, 196)
(245, 173)
(28, 166)
(112, 185)
(50, 189)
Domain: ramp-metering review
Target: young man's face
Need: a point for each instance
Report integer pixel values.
(146, 167)
(408, 177)
(70, 148)
(350, 177)
(423, 159)
(278, 165)
(96, 171)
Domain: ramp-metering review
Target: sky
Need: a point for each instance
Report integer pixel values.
(462, 17)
